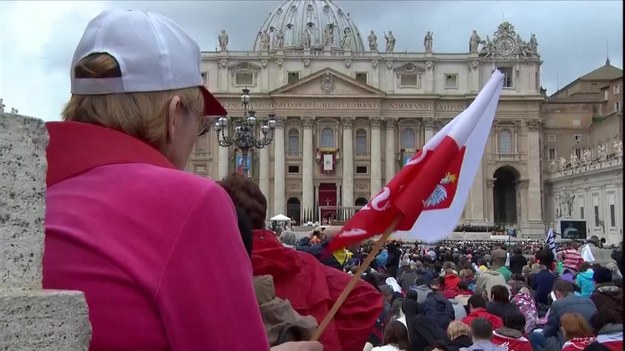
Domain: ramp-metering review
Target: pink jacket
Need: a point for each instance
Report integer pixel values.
(156, 251)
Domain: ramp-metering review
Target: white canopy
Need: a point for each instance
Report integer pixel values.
(280, 217)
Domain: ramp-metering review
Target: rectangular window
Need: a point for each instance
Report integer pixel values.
(605, 95)
(199, 169)
(244, 78)
(596, 215)
(293, 169)
(361, 169)
(616, 89)
(552, 154)
(508, 74)
(577, 122)
(451, 81)
(551, 138)
(361, 77)
(408, 80)
(581, 212)
(292, 77)
(578, 138)
(612, 216)
(205, 78)
(617, 107)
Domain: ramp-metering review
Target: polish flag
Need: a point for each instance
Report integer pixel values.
(431, 190)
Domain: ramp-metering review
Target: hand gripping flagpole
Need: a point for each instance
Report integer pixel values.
(354, 280)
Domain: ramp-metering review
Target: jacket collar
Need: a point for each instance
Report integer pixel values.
(75, 148)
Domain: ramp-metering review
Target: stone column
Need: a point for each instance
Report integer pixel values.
(390, 153)
(264, 75)
(429, 76)
(31, 318)
(224, 159)
(522, 211)
(430, 128)
(222, 79)
(490, 186)
(474, 73)
(263, 173)
(476, 197)
(279, 187)
(534, 173)
(376, 156)
(308, 169)
(347, 197)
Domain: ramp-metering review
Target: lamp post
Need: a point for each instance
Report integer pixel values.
(246, 131)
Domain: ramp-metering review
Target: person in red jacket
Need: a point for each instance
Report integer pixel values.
(477, 309)
(577, 333)
(450, 288)
(310, 286)
(511, 334)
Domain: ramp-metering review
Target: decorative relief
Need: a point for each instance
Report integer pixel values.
(244, 66)
(475, 65)
(327, 83)
(307, 63)
(429, 65)
(280, 62)
(308, 122)
(348, 122)
(263, 63)
(223, 63)
(280, 122)
(348, 63)
(374, 63)
(389, 65)
(410, 68)
(507, 43)
(375, 122)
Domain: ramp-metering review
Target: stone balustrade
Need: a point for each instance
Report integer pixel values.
(612, 160)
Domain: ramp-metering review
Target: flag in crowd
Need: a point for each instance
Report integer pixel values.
(429, 193)
(551, 241)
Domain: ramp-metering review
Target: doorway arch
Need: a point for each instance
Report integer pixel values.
(293, 207)
(361, 201)
(505, 195)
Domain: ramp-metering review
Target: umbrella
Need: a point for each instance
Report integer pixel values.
(280, 217)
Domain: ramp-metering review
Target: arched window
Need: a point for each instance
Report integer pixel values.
(361, 142)
(408, 139)
(505, 142)
(293, 147)
(327, 138)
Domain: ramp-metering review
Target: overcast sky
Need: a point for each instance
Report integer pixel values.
(37, 39)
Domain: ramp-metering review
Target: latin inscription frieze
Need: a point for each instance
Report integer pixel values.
(307, 104)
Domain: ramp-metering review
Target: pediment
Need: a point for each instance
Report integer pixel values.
(328, 82)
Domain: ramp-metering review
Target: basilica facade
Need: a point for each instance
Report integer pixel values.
(350, 112)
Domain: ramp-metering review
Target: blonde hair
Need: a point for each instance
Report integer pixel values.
(456, 329)
(142, 115)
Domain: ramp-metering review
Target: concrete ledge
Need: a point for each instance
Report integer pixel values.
(43, 320)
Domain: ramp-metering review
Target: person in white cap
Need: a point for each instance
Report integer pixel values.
(156, 250)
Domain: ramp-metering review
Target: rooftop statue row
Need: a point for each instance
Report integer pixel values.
(506, 43)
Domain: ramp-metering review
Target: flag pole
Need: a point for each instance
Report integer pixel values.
(355, 278)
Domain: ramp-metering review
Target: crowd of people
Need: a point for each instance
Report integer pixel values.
(459, 295)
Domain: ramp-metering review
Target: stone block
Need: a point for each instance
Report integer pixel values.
(23, 144)
(43, 320)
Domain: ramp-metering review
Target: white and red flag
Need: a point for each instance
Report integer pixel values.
(431, 190)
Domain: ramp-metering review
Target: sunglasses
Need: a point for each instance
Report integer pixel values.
(205, 126)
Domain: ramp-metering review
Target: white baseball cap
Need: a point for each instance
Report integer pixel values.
(153, 53)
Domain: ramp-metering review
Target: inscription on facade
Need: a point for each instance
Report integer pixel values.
(353, 105)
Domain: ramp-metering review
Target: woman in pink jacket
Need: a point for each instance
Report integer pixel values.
(155, 250)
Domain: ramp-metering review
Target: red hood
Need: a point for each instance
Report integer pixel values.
(270, 257)
(482, 313)
(451, 286)
(76, 148)
(312, 288)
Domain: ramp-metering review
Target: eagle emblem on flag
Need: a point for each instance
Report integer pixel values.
(440, 192)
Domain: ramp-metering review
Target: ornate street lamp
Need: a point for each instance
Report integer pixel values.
(246, 131)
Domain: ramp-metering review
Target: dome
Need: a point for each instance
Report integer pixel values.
(322, 20)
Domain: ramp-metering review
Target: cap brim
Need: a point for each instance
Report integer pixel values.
(212, 107)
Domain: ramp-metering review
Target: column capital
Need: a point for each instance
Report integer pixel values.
(308, 122)
(429, 122)
(391, 122)
(534, 124)
(280, 122)
(440, 123)
(376, 122)
(347, 122)
(490, 183)
(523, 183)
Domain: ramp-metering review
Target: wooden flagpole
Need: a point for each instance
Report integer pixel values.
(355, 278)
